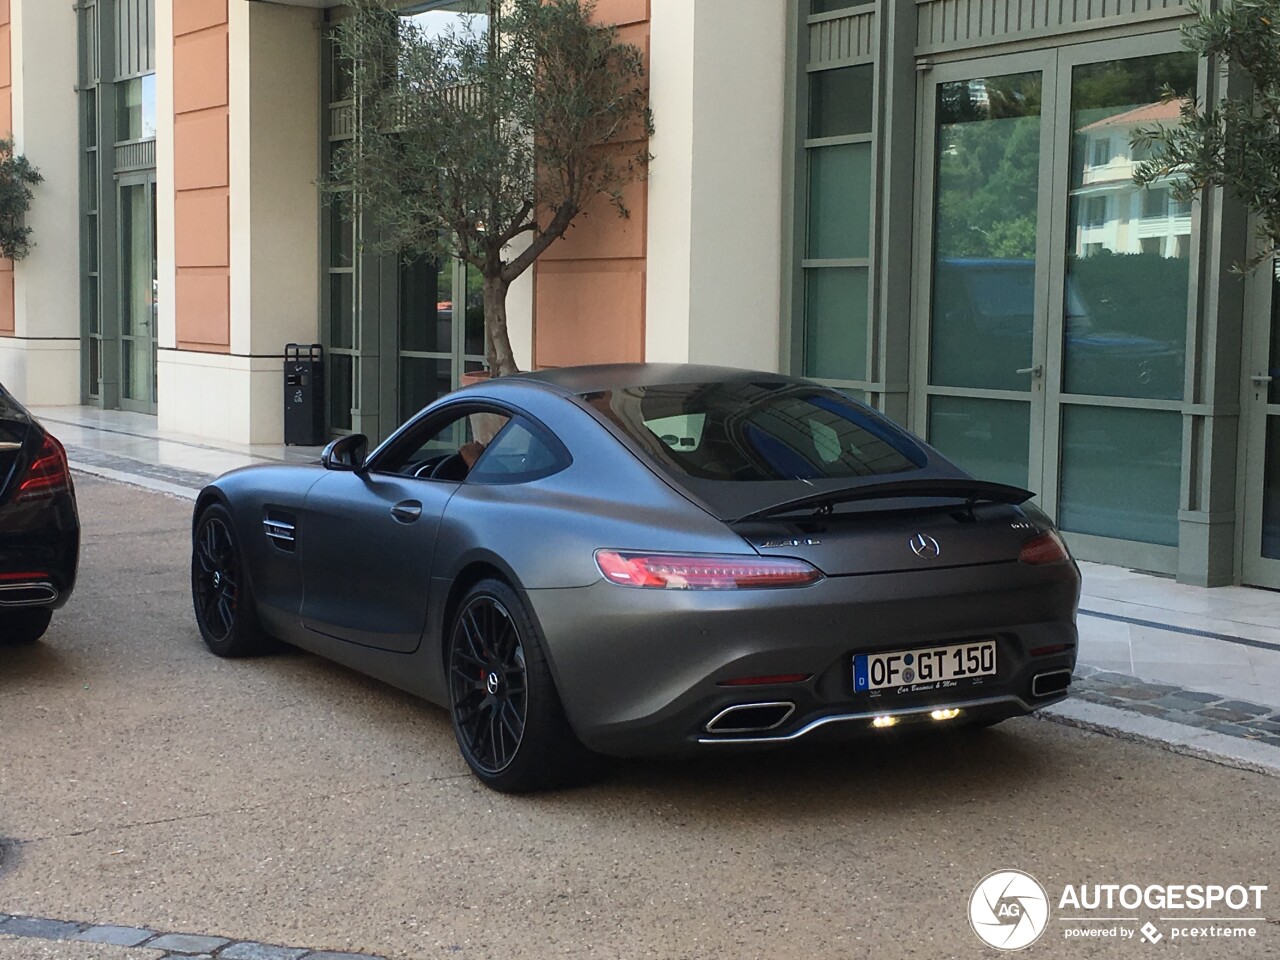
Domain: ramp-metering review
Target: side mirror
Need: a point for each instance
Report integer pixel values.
(346, 453)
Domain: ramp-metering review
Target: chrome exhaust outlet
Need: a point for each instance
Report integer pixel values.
(27, 594)
(751, 717)
(1047, 684)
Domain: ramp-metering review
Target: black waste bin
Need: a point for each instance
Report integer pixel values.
(303, 394)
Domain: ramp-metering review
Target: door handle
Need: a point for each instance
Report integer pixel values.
(407, 511)
(1261, 379)
(1036, 372)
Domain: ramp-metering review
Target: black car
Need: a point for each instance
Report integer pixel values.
(39, 525)
(643, 559)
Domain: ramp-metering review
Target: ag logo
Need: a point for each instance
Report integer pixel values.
(1009, 910)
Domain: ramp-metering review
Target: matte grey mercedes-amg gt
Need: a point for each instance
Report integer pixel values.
(642, 559)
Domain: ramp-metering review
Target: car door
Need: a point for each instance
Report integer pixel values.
(367, 537)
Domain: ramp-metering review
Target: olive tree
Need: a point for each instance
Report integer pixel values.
(17, 177)
(486, 141)
(1233, 143)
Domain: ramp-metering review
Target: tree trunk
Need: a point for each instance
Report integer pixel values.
(497, 343)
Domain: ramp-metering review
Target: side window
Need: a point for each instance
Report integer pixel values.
(520, 453)
(442, 449)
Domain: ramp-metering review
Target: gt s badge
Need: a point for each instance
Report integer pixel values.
(791, 543)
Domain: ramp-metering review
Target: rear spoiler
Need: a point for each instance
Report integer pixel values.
(961, 488)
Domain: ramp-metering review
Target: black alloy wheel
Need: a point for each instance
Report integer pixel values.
(507, 715)
(488, 684)
(219, 589)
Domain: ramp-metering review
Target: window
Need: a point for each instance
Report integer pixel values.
(520, 453)
(1155, 203)
(1095, 211)
(1101, 152)
(742, 432)
(479, 444)
(136, 108)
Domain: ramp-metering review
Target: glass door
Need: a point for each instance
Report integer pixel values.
(990, 132)
(1120, 311)
(1261, 390)
(137, 282)
(1056, 312)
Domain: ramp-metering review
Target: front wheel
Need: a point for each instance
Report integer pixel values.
(507, 716)
(220, 592)
(26, 625)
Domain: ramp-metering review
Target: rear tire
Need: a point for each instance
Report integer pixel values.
(25, 625)
(507, 716)
(220, 591)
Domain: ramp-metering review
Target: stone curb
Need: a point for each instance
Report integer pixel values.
(1221, 748)
(178, 946)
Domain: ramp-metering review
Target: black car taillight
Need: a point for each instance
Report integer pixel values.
(48, 473)
(1046, 548)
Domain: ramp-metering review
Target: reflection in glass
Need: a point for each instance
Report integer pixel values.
(473, 337)
(341, 234)
(136, 108)
(835, 341)
(422, 380)
(989, 438)
(342, 321)
(988, 182)
(1128, 249)
(341, 390)
(1121, 472)
(455, 16)
(841, 101)
(426, 306)
(827, 6)
(839, 201)
(1271, 492)
(137, 289)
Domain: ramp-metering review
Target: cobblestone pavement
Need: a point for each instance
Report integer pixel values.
(1208, 711)
(127, 466)
(188, 946)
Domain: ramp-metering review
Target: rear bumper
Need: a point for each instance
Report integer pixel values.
(641, 671)
(39, 552)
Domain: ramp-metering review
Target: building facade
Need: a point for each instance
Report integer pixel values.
(928, 203)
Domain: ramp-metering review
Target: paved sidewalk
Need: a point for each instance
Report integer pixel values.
(1159, 651)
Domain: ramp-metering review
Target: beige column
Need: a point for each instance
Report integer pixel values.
(715, 195)
(272, 246)
(40, 362)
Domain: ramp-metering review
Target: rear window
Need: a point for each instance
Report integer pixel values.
(758, 431)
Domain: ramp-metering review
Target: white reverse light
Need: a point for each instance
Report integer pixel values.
(882, 722)
(945, 714)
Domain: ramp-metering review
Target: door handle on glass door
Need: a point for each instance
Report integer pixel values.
(407, 511)
(1261, 379)
(1036, 372)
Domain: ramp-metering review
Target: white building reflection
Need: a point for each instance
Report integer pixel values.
(1115, 214)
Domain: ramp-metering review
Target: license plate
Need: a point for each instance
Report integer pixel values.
(923, 669)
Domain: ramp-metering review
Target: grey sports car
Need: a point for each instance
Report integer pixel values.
(641, 559)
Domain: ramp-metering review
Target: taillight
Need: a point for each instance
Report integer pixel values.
(47, 474)
(1046, 548)
(668, 571)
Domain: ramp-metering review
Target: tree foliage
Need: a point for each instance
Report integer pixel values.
(17, 177)
(1235, 142)
(485, 142)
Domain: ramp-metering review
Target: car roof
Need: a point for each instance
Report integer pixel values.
(610, 376)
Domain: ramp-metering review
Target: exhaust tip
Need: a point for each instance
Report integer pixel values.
(751, 717)
(27, 594)
(1049, 683)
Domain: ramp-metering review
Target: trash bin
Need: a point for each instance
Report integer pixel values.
(304, 394)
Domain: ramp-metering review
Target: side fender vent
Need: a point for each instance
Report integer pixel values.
(280, 530)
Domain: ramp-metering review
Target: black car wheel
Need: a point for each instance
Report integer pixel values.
(220, 589)
(25, 625)
(507, 716)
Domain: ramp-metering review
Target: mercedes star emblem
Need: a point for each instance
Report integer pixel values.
(925, 547)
